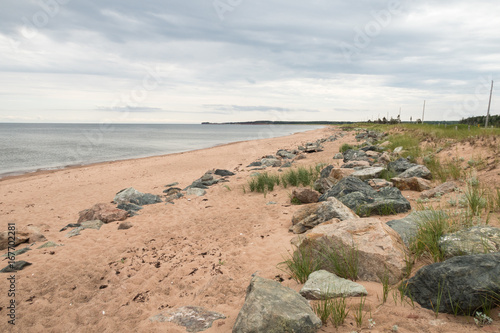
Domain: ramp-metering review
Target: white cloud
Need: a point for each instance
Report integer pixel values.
(265, 59)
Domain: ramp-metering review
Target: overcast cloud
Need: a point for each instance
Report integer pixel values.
(240, 60)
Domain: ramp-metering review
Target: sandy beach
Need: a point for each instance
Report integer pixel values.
(200, 251)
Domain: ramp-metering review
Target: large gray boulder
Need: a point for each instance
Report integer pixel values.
(271, 307)
(419, 171)
(285, 154)
(400, 165)
(368, 173)
(474, 240)
(364, 200)
(311, 215)
(379, 249)
(408, 226)
(464, 281)
(131, 195)
(355, 155)
(270, 162)
(323, 284)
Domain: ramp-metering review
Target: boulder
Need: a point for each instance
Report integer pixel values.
(223, 173)
(380, 249)
(407, 227)
(254, 164)
(464, 283)
(196, 191)
(373, 154)
(17, 252)
(271, 162)
(104, 212)
(441, 189)
(378, 183)
(400, 165)
(17, 266)
(172, 194)
(369, 148)
(323, 183)
(194, 318)
(384, 158)
(412, 184)
(338, 156)
(285, 154)
(323, 284)
(49, 244)
(354, 155)
(420, 171)
(305, 195)
(125, 225)
(364, 200)
(96, 224)
(130, 208)
(339, 174)
(131, 195)
(474, 240)
(368, 173)
(172, 190)
(23, 235)
(356, 164)
(313, 147)
(270, 307)
(311, 215)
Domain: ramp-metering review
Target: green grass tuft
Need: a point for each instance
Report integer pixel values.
(300, 264)
(345, 147)
(432, 226)
(343, 261)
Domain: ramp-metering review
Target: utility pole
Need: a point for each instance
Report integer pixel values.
(423, 112)
(489, 104)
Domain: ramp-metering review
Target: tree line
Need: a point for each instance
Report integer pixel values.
(480, 120)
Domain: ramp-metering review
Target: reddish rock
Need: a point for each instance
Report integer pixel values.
(442, 189)
(104, 212)
(305, 195)
(384, 158)
(309, 216)
(378, 183)
(356, 164)
(338, 174)
(371, 153)
(380, 248)
(412, 184)
(23, 235)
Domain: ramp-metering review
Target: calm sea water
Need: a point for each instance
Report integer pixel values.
(30, 147)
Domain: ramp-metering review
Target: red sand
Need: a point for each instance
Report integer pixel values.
(200, 251)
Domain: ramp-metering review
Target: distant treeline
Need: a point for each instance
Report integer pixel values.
(480, 120)
(269, 122)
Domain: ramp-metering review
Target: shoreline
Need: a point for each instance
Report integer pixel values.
(197, 251)
(42, 171)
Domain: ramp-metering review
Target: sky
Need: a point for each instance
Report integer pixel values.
(190, 61)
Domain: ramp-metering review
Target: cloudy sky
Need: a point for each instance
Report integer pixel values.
(189, 61)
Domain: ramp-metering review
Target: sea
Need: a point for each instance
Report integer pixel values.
(28, 148)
